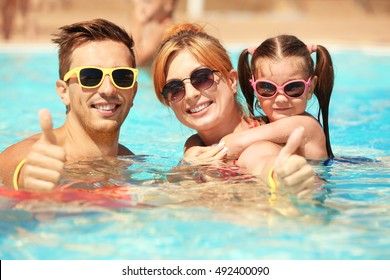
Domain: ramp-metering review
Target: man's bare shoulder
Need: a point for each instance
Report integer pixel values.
(124, 151)
(20, 149)
(13, 155)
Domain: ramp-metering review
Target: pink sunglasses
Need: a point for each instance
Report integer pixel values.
(292, 89)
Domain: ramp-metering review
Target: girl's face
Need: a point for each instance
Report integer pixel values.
(280, 72)
(201, 109)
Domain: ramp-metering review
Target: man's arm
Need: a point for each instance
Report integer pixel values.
(44, 159)
(12, 156)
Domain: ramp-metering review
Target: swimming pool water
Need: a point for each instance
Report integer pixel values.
(139, 215)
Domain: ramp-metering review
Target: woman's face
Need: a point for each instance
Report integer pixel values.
(280, 72)
(201, 109)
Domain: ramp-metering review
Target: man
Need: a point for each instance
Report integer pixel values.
(97, 85)
(151, 18)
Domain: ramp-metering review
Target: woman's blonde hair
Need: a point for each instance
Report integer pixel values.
(207, 49)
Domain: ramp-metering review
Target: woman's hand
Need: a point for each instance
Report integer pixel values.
(233, 142)
(201, 155)
(293, 171)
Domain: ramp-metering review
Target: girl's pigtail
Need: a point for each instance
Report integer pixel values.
(244, 76)
(323, 91)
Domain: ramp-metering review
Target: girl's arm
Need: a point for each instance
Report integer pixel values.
(312, 146)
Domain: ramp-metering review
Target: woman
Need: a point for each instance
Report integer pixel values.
(193, 75)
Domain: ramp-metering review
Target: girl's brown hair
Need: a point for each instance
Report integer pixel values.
(288, 46)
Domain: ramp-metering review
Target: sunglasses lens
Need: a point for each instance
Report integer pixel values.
(294, 89)
(174, 91)
(90, 77)
(123, 78)
(265, 89)
(202, 79)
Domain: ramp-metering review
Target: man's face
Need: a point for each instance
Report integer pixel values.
(103, 109)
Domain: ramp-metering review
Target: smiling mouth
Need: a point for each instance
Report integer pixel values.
(199, 108)
(106, 107)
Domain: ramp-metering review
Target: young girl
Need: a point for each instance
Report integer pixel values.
(283, 77)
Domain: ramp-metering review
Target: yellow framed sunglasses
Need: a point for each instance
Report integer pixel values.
(93, 76)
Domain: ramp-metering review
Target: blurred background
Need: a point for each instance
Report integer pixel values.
(346, 22)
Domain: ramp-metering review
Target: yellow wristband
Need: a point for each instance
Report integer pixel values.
(16, 174)
(271, 181)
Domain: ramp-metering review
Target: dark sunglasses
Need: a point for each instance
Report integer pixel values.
(92, 76)
(292, 89)
(201, 79)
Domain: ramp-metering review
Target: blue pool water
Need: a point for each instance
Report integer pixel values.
(139, 215)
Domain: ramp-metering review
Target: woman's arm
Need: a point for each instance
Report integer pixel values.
(281, 165)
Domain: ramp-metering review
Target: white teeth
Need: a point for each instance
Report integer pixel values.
(106, 107)
(200, 108)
